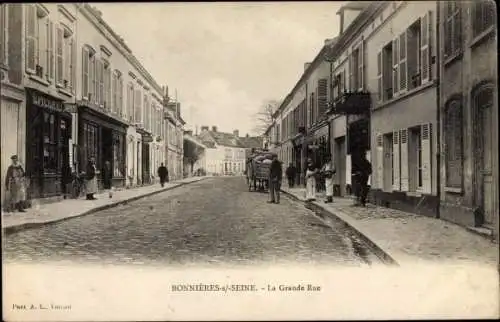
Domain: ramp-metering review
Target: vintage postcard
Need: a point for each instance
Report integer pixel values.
(249, 160)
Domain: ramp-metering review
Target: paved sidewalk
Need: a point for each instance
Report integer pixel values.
(43, 214)
(408, 238)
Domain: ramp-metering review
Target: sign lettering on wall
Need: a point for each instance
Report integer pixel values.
(45, 102)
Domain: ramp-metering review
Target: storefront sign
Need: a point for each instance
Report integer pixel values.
(46, 102)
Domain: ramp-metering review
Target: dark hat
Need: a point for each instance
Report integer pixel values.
(14, 157)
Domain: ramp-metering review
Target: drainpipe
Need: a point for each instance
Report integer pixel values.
(438, 112)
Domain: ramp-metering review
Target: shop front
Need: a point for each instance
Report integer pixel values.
(299, 156)
(48, 148)
(102, 137)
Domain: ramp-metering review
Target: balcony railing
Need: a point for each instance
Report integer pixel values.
(351, 103)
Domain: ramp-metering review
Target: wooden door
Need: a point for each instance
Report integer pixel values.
(485, 194)
(340, 162)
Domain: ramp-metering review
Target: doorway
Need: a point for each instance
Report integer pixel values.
(484, 191)
(146, 178)
(339, 160)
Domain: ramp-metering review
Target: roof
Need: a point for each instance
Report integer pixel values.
(354, 5)
(211, 138)
(252, 142)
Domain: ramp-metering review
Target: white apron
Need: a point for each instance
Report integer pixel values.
(310, 185)
(92, 184)
(328, 181)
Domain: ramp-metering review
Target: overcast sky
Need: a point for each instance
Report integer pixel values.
(225, 59)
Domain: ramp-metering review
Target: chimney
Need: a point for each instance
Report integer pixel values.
(196, 130)
(189, 132)
(306, 65)
(236, 133)
(329, 41)
(214, 128)
(204, 128)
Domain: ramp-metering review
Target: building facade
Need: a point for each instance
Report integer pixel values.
(174, 146)
(71, 91)
(194, 155)
(468, 114)
(12, 94)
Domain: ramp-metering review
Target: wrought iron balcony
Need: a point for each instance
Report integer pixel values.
(351, 103)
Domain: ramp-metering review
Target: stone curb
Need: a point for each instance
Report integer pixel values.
(17, 228)
(323, 212)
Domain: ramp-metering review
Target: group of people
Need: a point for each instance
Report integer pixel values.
(16, 183)
(362, 170)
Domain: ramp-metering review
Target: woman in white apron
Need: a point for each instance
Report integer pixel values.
(328, 171)
(91, 179)
(310, 181)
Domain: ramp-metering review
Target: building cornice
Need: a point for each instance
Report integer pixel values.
(118, 42)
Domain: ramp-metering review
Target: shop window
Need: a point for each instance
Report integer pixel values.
(49, 143)
(483, 16)
(91, 143)
(453, 129)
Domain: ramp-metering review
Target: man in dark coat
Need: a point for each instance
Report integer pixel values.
(291, 172)
(163, 174)
(275, 176)
(362, 173)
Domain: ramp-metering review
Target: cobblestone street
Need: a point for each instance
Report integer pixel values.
(212, 221)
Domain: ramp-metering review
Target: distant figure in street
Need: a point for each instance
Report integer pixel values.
(362, 173)
(91, 179)
(15, 185)
(291, 172)
(107, 175)
(328, 171)
(163, 174)
(275, 176)
(310, 177)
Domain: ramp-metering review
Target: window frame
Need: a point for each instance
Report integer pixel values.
(4, 41)
(453, 116)
(479, 27)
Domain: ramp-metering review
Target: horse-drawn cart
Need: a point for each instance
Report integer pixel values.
(258, 168)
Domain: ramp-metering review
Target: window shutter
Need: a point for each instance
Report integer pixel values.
(350, 71)
(395, 66)
(107, 87)
(129, 103)
(102, 97)
(114, 85)
(3, 33)
(424, 48)
(50, 49)
(361, 67)
(121, 107)
(85, 73)
(59, 56)
(380, 88)
(137, 107)
(31, 43)
(322, 97)
(404, 160)
(72, 67)
(396, 168)
(92, 78)
(403, 74)
(426, 158)
(380, 162)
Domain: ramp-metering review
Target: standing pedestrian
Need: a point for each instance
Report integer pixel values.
(107, 175)
(91, 179)
(310, 177)
(163, 174)
(275, 176)
(328, 171)
(362, 174)
(15, 185)
(291, 172)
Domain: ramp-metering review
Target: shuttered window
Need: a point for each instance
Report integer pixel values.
(3, 34)
(85, 72)
(452, 28)
(453, 139)
(138, 106)
(60, 71)
(121, 107)
(403, 80)
(380, 162)
(107, 86)
(425, 66)
(92, 78)
(404, 163)
(322, 96)
(114, 91)
(31, 38)
(380, 90)
(396, 162)
(425, 172)
(395, 66)
(483, 16)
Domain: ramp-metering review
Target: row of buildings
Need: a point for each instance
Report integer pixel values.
(221, 153)
(72, 90)
(414, 84)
